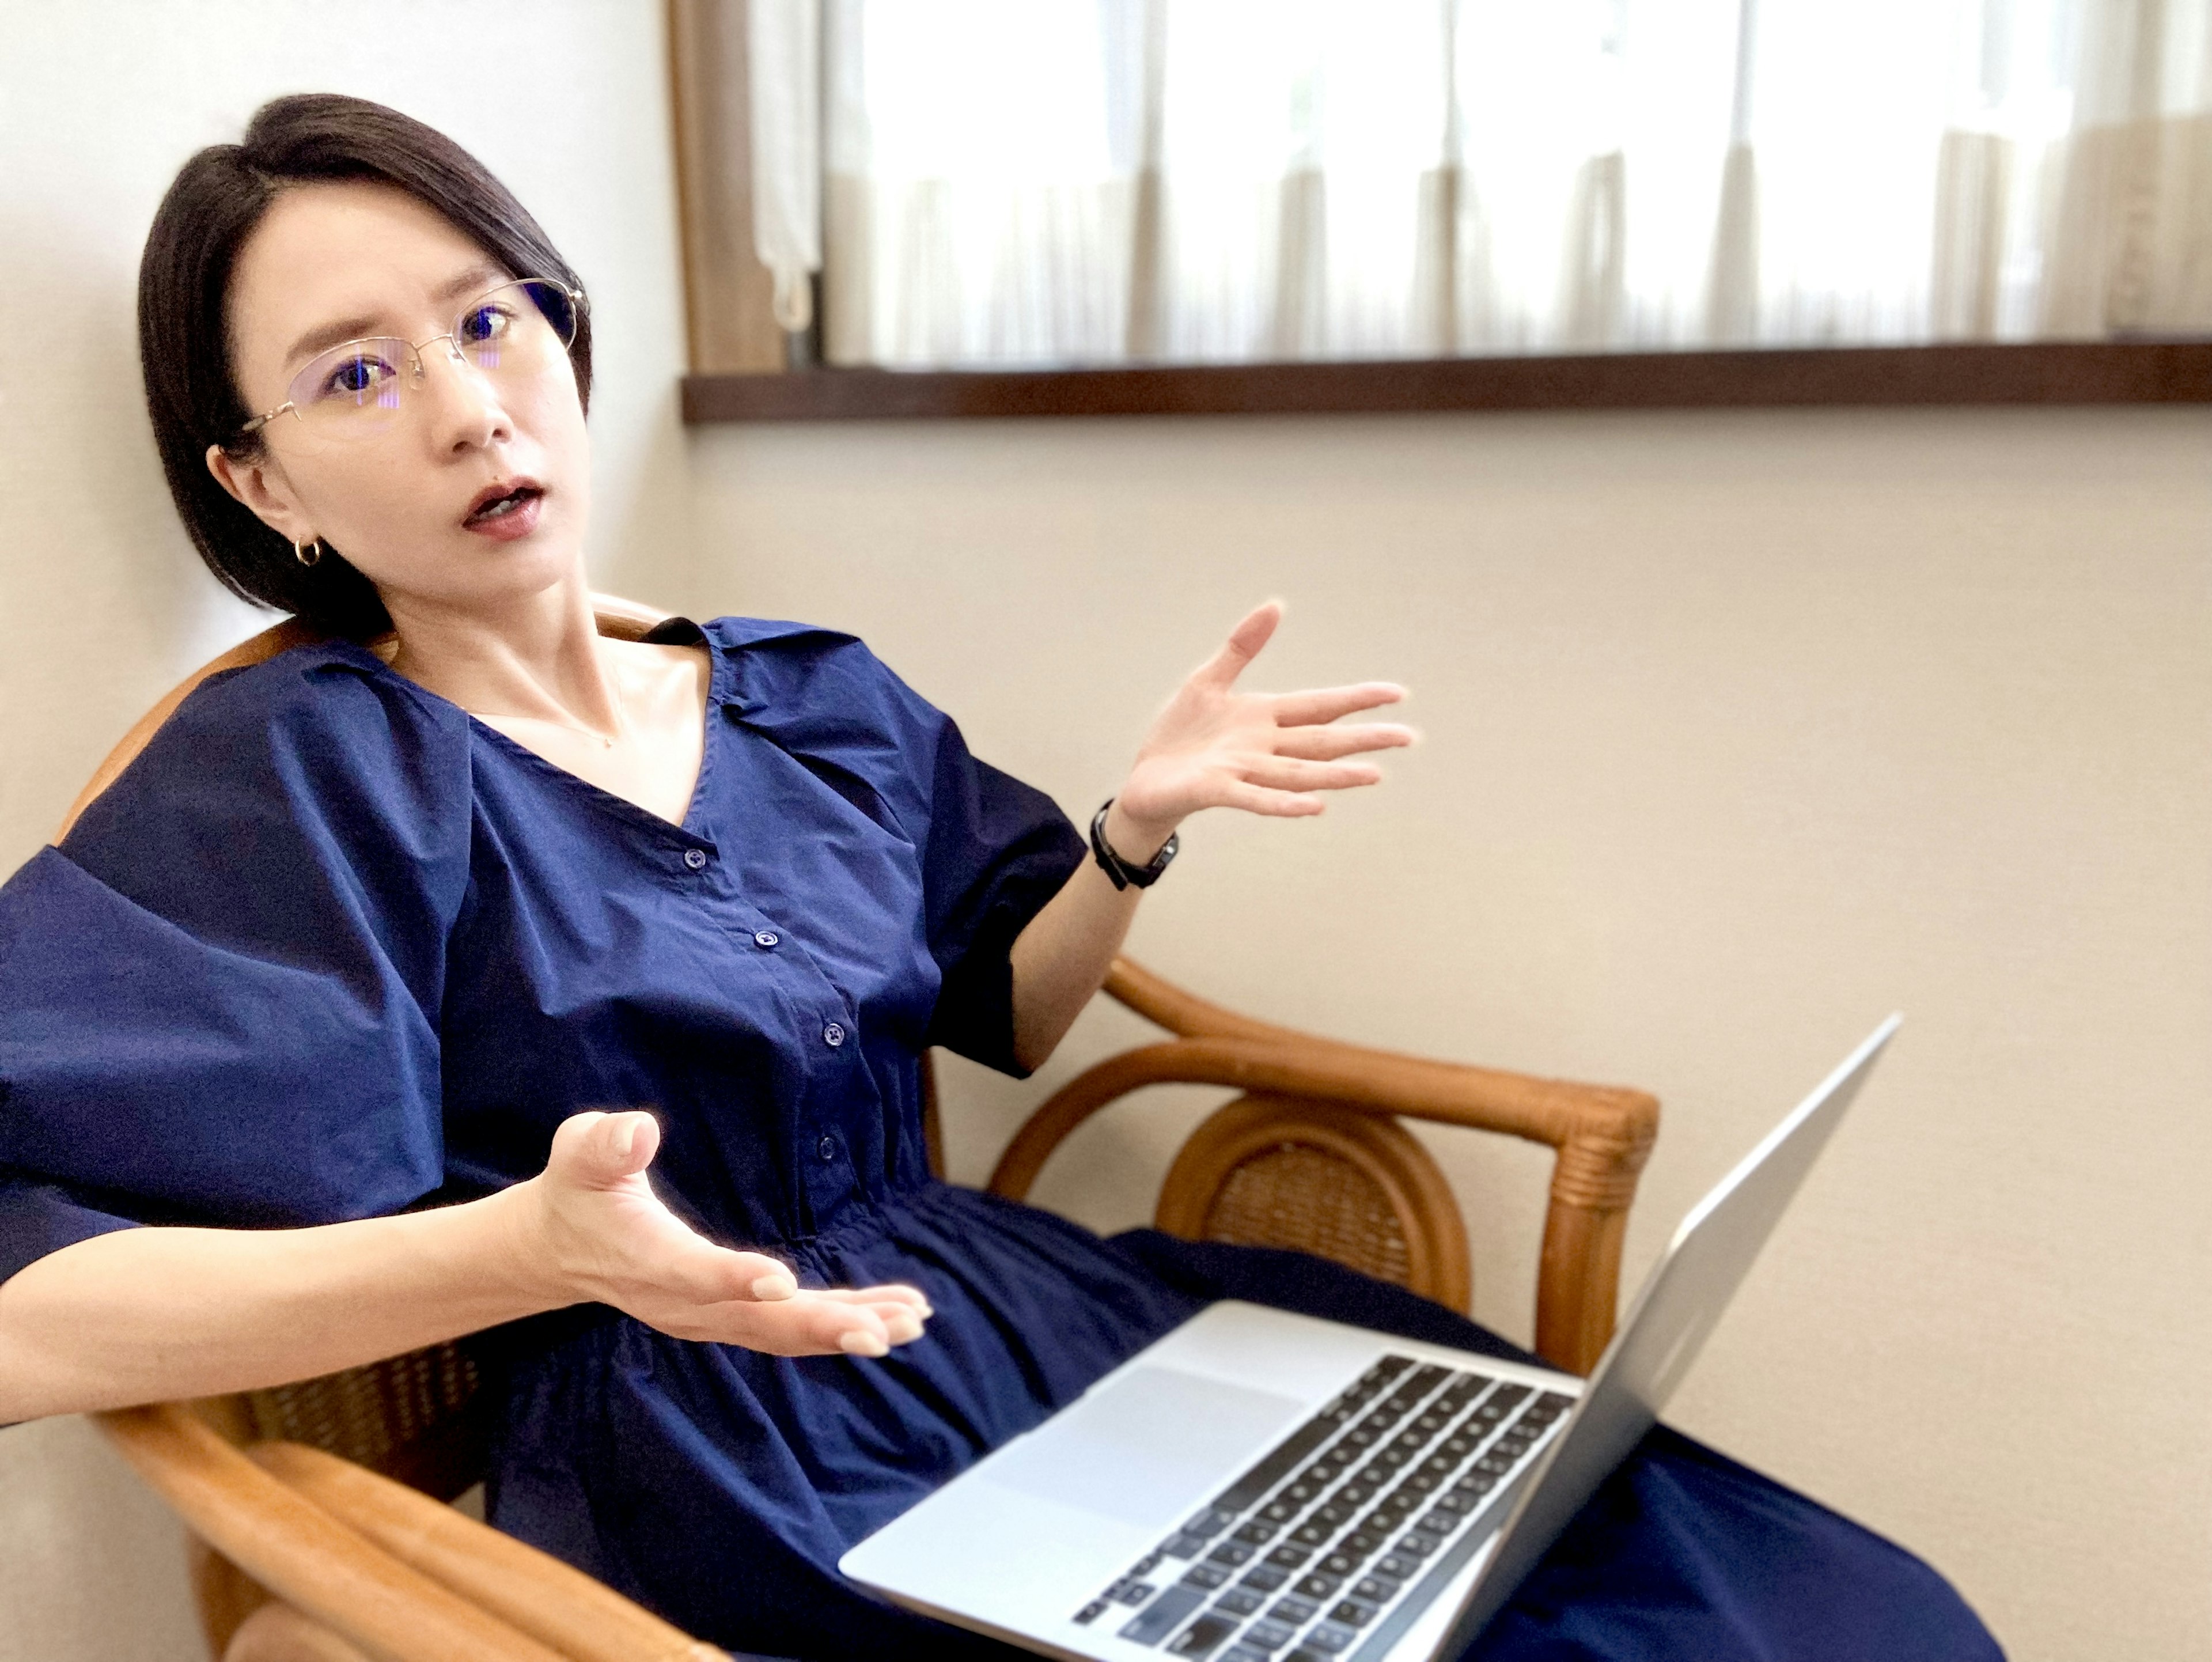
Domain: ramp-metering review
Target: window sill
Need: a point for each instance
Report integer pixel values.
(2127, 372)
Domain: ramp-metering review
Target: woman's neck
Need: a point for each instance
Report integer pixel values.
(536, 659)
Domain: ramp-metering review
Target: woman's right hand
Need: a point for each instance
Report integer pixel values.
(592, 1231)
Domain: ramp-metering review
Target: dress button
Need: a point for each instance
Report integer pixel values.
(833, 1035)
(766, 938)
(827, 1148)
(694, 858)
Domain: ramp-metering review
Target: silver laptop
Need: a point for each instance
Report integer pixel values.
(1261, 1487)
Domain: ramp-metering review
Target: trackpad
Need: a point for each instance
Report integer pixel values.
(1146, 1446)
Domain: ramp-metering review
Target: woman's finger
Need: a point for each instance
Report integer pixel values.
(1276, 804)
(703, 1273)
(1243, 646)
(812, 1325)
(1289, 773)
(912, 1298)
(1328, 744)
(1318, 706)
(598, 1149)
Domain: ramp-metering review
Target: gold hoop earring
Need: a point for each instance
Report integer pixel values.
(308, 552)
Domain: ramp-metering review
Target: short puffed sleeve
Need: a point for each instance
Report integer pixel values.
(219, 996)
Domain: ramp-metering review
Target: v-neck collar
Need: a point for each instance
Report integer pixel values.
(722, 690)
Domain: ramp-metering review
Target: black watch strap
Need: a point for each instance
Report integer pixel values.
(1125, 875)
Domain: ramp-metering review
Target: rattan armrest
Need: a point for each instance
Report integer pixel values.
(536, 1594)
(303, 1555)
(1603, 1133)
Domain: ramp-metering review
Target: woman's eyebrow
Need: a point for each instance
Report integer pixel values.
(323, 335)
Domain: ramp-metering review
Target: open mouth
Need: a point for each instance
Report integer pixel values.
(499, 503)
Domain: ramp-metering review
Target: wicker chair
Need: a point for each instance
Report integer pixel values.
(328, 1498)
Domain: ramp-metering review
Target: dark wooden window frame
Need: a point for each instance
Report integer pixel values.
(744, 370)
(2058, 372)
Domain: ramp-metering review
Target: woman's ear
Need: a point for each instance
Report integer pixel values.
(262, 486)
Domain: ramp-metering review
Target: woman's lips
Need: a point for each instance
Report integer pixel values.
(504, 524)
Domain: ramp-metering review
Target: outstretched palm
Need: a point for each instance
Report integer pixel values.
(1215, 746)
(599, 1234)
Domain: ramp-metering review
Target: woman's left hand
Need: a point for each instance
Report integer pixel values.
(1215, 746)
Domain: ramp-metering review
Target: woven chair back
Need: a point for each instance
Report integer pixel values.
(1287, 1172)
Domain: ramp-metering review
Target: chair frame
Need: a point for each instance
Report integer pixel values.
(1602, 1136)
(376, 1568)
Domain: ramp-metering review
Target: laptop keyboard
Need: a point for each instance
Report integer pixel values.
(1345, 1531)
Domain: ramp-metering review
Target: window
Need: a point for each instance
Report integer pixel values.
(991, 184)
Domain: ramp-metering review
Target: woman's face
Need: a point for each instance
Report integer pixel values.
(404, 503)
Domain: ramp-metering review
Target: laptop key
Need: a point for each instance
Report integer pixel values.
(1162, 1615)
(1211, 1522)
(1244, 1653)
(1414, 1544)
(1207, 1576)
(1090, 1612)
(1133, 1592)
(1240, 1601)
(1288, 1558)
(1231, 1553)
(1293, 1609)
(1202, 1637)
(1376, 1589)
(1267, 1635)
(1312, 1534)
(1183, 1546)
(1353, 1613)
(1275, 1465)
(1331, 1637)
(1338, 1563)
(1396, 1567)
(1255, 1534)
(1263, 1578)
(1318, 1586)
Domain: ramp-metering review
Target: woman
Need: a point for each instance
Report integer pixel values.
(328, 1033)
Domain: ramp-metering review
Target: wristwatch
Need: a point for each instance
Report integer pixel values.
(1124, 874)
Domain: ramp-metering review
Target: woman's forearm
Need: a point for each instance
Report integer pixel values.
(152, 1314)
(1062, 956)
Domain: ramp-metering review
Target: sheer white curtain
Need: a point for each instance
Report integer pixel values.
(1101, 181)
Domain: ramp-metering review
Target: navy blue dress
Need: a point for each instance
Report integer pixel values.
(332, 948)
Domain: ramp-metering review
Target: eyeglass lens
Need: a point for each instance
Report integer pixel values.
(519, 330)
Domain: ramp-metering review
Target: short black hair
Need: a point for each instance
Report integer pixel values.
(218, 199)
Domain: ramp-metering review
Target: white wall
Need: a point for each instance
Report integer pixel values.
(1743, 730)
(101, 100)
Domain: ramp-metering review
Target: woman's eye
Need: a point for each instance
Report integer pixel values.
(356, 377)
(486, 323)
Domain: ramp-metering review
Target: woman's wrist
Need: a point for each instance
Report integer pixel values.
(1136, 841)
(518, 1250)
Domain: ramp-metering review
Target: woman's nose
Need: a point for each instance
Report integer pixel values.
(462, 401)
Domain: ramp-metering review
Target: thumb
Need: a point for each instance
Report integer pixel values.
(600, 1149)
(1253, 631)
